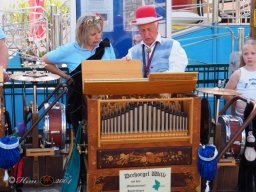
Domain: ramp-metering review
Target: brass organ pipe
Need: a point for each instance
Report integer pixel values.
(158, 117)
(154, 116)
(145, 115)
(119, 120)
(131, 114)
(136, 121)
(176, 121)
(179, 121)
(111, 122)
(140, 116)
(115, 122)
(123, 119)
(127, 119)
(170, 119)
(108, 123)
(162, 117)
(167, 128)
(150, 116)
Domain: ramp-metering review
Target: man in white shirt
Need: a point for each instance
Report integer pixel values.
(158, 54)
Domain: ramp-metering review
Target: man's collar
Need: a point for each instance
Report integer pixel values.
(158, 39)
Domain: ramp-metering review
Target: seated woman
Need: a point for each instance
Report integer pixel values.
(88, 45)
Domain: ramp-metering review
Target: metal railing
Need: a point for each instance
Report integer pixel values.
(33, 31)
(235, 11)
(211, 75)
(231, 11)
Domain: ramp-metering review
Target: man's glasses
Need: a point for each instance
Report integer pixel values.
(96, 19)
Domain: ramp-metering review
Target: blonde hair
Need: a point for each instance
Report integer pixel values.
(83, 27)
(248, 42)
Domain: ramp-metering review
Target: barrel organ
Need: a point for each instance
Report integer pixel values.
(142, 127)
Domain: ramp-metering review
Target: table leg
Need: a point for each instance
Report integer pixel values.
(217, 108)
(35, 132)
(34, 107)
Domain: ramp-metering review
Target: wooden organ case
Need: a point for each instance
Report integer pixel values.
(140, 123)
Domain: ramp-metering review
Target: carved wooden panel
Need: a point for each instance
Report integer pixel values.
(141, 157)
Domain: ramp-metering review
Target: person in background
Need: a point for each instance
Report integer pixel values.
(243, 79)
(158, 54)
(4, 55)
(88, 45)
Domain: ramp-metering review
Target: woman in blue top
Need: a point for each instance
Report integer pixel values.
(88, 37)
(88, 45)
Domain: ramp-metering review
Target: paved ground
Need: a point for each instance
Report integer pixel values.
(40, 189)
(55, 188)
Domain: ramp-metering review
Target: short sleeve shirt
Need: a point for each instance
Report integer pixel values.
(72, 55)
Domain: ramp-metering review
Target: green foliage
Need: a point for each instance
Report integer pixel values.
(18, 16)
(20, 4)
(60, 4)
(18, 21)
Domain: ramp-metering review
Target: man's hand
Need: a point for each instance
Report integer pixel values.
(127, 58)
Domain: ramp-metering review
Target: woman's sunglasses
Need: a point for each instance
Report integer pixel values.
(96, 19)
